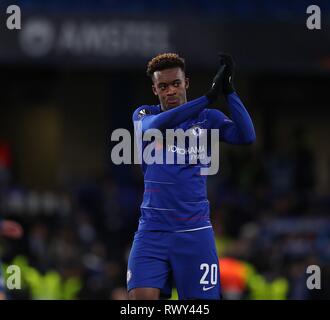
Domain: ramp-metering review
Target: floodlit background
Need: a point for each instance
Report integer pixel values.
(76, 71)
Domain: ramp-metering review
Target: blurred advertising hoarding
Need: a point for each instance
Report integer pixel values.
(126, 42)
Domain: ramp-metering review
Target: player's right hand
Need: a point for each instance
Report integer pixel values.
(217, 84)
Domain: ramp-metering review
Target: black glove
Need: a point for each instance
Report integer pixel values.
(228, 85)
(217, 85)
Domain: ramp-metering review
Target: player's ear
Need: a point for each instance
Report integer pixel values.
(187, 83)
(154, 90)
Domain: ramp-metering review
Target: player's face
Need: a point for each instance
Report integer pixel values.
(170, 86)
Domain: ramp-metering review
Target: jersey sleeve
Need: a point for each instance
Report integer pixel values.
(170, 118)
(239, 128)
(141, 112)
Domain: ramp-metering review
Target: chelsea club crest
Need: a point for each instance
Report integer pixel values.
(196, 130)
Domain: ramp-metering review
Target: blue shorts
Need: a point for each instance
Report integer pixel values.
(189, 259)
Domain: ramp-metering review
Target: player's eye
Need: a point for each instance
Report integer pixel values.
(162, 86)
(177, 84)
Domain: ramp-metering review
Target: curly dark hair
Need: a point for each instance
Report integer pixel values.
(165, 61)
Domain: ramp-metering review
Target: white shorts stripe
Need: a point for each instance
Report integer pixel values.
(161, 182)
(194, 229)
(157, 208)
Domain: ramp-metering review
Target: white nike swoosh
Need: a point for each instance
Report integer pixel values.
(207, 288)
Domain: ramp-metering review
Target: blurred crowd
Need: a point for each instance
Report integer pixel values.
(265, 208)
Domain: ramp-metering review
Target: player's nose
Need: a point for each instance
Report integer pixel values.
(171, 91)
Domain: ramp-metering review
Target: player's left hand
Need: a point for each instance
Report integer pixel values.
(11, 229)
(228, 81)
(217, 83)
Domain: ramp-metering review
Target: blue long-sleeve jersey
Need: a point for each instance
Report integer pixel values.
(175, 195)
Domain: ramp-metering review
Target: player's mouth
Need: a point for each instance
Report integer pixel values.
(173, 101)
